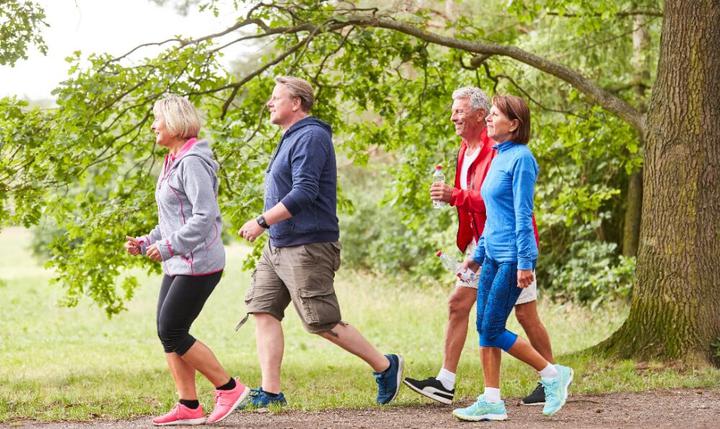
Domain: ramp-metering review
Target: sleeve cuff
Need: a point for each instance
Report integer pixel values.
(454, 196)
(143, 241)
(166, 251)
(479, 259)
(526, 264)
(291, 204)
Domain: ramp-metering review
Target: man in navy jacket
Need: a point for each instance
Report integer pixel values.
(298, 265)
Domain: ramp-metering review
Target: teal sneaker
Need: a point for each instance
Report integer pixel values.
(482, 410)
(556, 390)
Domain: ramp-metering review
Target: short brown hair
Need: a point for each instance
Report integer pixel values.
(515, 108)
(299, 88)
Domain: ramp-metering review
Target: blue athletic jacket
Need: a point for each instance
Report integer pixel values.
(508, 194)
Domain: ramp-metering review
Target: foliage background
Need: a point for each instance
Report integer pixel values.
(83, 172)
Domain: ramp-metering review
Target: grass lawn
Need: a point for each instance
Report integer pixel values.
(75, 364)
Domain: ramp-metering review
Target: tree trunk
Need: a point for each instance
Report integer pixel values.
(631, 224)
(675, 309)
(633, 207)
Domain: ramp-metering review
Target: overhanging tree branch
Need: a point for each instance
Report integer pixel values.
(589, 88)
(593, 91)
(645, 12)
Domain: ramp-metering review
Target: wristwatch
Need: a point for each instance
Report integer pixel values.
(261, 221)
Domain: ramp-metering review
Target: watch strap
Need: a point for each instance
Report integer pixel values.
(262, 222)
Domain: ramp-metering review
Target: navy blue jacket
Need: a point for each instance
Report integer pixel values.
(302, 175)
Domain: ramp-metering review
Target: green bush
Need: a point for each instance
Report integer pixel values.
(376, 234)
(593, 275)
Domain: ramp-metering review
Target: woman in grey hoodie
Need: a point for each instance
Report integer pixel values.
(188, 243)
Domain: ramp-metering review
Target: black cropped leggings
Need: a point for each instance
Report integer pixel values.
(179, 304)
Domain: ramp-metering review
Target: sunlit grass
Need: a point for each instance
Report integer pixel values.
(74, 364)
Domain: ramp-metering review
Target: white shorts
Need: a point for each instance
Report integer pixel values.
(529, 294)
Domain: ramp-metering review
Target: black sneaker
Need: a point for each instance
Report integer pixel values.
(537, 397)
(432, 388)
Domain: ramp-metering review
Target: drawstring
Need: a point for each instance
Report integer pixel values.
(242, 322)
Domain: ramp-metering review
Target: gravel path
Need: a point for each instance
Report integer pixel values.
(677, 408)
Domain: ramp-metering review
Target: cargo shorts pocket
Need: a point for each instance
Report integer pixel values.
(320, 307)
(250, 293)
(337, 250)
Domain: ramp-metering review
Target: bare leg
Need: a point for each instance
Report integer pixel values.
(527, 316)
(459, 305)
(184, 376)
(351, 340)
(200, 357)
(525, 352)
(491, 358)
(270, 348)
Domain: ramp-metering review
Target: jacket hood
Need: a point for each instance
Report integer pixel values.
(306, 122)
(200, 149)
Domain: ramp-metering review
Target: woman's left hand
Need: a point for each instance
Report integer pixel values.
(153, 253)
(525, 278)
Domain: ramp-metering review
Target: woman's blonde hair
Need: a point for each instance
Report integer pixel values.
(180, 116)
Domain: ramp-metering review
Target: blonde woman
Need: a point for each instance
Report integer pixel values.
(187, 241)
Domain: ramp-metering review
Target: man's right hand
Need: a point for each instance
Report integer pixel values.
(441, 192)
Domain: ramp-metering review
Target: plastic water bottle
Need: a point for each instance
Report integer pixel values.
(450, 264)
(438, 177)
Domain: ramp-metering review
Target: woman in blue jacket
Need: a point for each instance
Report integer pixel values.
(507, 253)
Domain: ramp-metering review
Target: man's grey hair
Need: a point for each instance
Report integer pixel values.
(478, 99)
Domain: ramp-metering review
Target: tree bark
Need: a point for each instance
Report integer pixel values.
(633, 206)
(675, 309)
(633, 210)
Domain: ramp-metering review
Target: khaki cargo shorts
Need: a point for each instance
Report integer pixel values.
(303, 275)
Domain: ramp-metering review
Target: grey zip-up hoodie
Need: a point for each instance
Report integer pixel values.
(189, 228)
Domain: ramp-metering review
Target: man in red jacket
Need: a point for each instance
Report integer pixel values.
(469, 108)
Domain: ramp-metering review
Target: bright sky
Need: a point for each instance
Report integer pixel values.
(98, 26)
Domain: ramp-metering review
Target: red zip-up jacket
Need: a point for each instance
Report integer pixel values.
(469, 203)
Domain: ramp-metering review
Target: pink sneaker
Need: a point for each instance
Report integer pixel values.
(226, 401)
(181, 415)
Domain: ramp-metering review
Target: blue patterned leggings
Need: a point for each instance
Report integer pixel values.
(497, 294)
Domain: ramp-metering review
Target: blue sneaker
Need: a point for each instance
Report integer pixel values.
(388, 381)
(482, 410)
(258, 398)
(556, 390)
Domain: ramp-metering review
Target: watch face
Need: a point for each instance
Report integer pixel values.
(261, 221)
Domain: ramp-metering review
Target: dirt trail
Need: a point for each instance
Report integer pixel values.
(676, 408)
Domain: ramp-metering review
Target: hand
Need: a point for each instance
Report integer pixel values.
(525, 278)
(470, 264)
(153, 253)
(251, 230)
(132, 245)
(441, 192)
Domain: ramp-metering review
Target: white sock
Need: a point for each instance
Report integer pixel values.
(447, 379)
(492, 395)
(549, 372)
